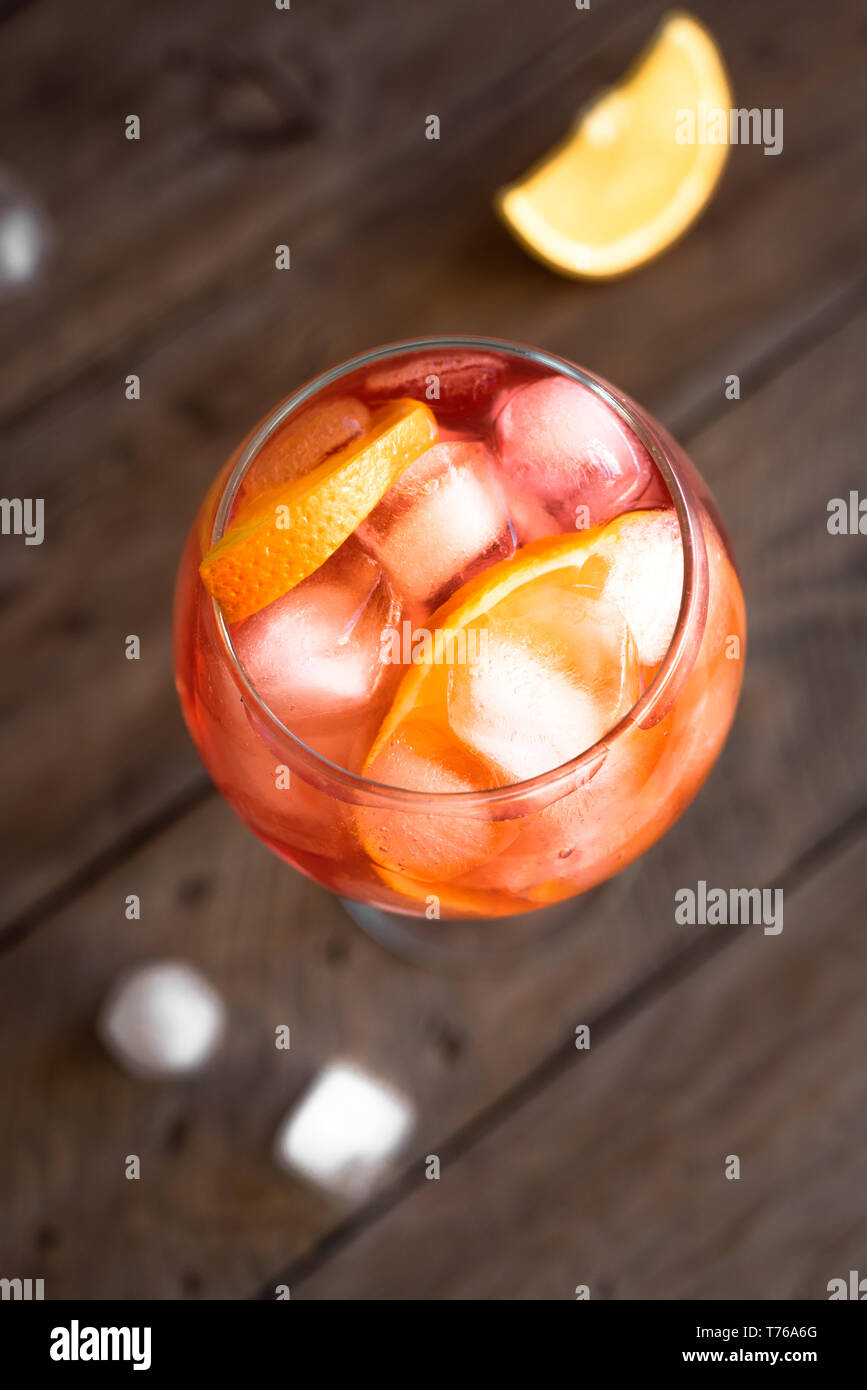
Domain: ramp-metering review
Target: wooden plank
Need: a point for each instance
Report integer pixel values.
(281, 951)
(371, 193)
(253, 122)
(121, 479)
(614, 1175)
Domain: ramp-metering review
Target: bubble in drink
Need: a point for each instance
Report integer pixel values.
(568, 453)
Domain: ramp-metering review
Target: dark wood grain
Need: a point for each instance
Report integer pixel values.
(614, 1174)
(472, 1051)
(256, 125)
(391, 236)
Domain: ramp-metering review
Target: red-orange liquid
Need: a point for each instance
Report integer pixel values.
(523, 455)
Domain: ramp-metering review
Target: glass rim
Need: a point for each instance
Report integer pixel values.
(652, 706)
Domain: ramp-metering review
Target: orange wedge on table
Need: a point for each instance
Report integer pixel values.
(290, 530)
(625, 183)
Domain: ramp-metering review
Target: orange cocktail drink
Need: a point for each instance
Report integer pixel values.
(458, 631)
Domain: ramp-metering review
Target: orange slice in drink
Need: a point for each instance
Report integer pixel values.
(424, 755)
(635, 171)
(298, 446)
(451, 901)
(422, 684)
(290, 530)
(557, 668)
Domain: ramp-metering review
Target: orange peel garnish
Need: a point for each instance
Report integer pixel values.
(290, 530)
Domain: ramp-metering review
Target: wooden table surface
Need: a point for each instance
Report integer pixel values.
(559, 1167)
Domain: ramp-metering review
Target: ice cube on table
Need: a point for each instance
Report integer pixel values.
(443, 520)
(162, 1019)
(557, 671)
(302, 443)
(317, 650)
(563, 450)
(452, 383)
(343, 1130)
